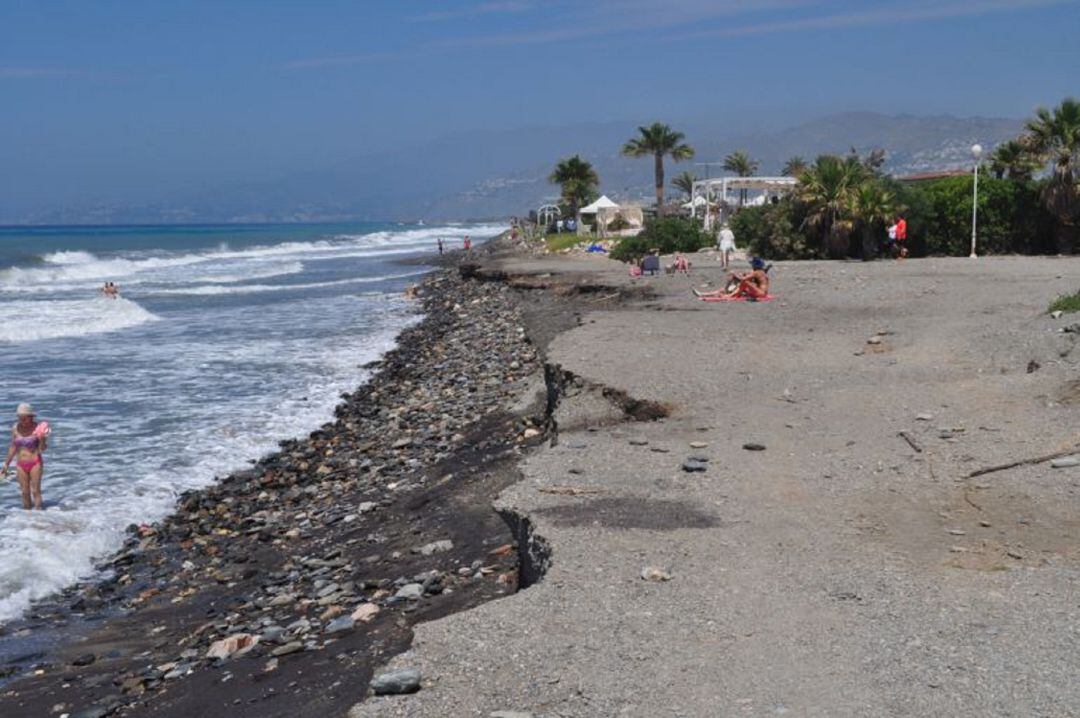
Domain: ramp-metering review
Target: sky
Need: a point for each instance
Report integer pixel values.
(117, 100)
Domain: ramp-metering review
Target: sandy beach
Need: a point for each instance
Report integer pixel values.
(840, 570)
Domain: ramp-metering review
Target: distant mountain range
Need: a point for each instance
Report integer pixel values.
(485, 174)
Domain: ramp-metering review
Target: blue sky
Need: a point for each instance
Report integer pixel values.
(122, 99)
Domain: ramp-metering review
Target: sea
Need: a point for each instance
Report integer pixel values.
(224, 341)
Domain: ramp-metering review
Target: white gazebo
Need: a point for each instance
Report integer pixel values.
(715, 191)
(604, 210)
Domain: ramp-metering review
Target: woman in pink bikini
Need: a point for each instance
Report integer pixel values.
(28, 439)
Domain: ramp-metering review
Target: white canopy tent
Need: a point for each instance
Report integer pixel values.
(605, 211)
(715, 191)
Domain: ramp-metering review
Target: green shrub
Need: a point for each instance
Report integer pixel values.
(1011, 220)
(1067, 303)
(618, 224)
(772, 231)
(668, 234)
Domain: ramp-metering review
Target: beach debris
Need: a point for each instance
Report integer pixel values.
(655, 574)
(1023, 462)
(1033, 366)
(753, 447)
(406, 680)
(911, 441)
(1056, 314)
(235, 645)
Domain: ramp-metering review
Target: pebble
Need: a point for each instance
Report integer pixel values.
(510, 714)
(691, 465)
(924, 417)
(410, 591)
(652, 573)
(288, 648)
(1065, 462)
(340, 624)
(406, 680)
(698, 444)
(754, 447)
(365, 612)
(1056, 314)
(434, 547)
(874, 340)
(639, 442)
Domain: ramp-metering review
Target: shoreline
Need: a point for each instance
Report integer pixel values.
(304, 515)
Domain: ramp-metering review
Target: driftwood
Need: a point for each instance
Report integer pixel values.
(911, 442)
(1022, 462)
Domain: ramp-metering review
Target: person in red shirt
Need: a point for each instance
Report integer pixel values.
(901, 235)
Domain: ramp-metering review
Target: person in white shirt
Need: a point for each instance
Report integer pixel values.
(727, 246)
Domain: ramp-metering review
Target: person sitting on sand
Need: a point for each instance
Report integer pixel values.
(681, 264)
(751, 285)
(28, 438)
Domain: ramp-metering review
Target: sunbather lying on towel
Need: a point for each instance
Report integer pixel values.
(752, 285)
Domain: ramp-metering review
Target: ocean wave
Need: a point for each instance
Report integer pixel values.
(26, 321)
(81, 269)
(214, 289)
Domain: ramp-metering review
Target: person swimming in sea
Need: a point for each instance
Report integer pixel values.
(28, 443)
(110, 290)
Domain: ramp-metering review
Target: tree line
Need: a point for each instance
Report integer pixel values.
(841, 204)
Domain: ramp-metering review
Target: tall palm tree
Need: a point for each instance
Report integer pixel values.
(1055, 134)
(658, 140)
(578, 181)
(871, 207)
(1015, 158)
(827, 188)
(794, 167)
(684, 181)
(740, 163)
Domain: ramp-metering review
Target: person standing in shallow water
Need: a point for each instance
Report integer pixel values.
(467, 244)
(28, 439)
(440, 245)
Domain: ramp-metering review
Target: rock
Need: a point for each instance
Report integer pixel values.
(235, 645)
(510, 714)
(288, 648)
(340, 624)
(924, 417)
(406, 680)
(698, 444)
(331, 613)
(434, 547)
(84, 660)
(365, 612)
(639, 442)
(1056, 314)
(366, 506)
(692, 465)
(754, 447)
(652, 573)
(272, 634)
(92, 712)
(412, 591)
(874, 340)
(1065, 462)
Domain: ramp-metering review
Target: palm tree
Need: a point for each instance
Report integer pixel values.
(827, 188)
(658, 140)
(685, 182)
(1055, 134)
(578, 180)
(871, 207)
(794, 167)
(740, 163)
(1014, 158)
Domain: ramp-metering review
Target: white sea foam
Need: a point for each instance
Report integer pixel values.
(26, 321)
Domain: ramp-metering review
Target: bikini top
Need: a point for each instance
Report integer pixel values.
(26, 442)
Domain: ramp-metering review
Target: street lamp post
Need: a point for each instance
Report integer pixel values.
(976, 153)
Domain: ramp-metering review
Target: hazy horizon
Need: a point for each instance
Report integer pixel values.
(113, 103)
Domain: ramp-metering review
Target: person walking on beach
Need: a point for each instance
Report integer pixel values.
(727, 246)
(440, 245)
(28, 439)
